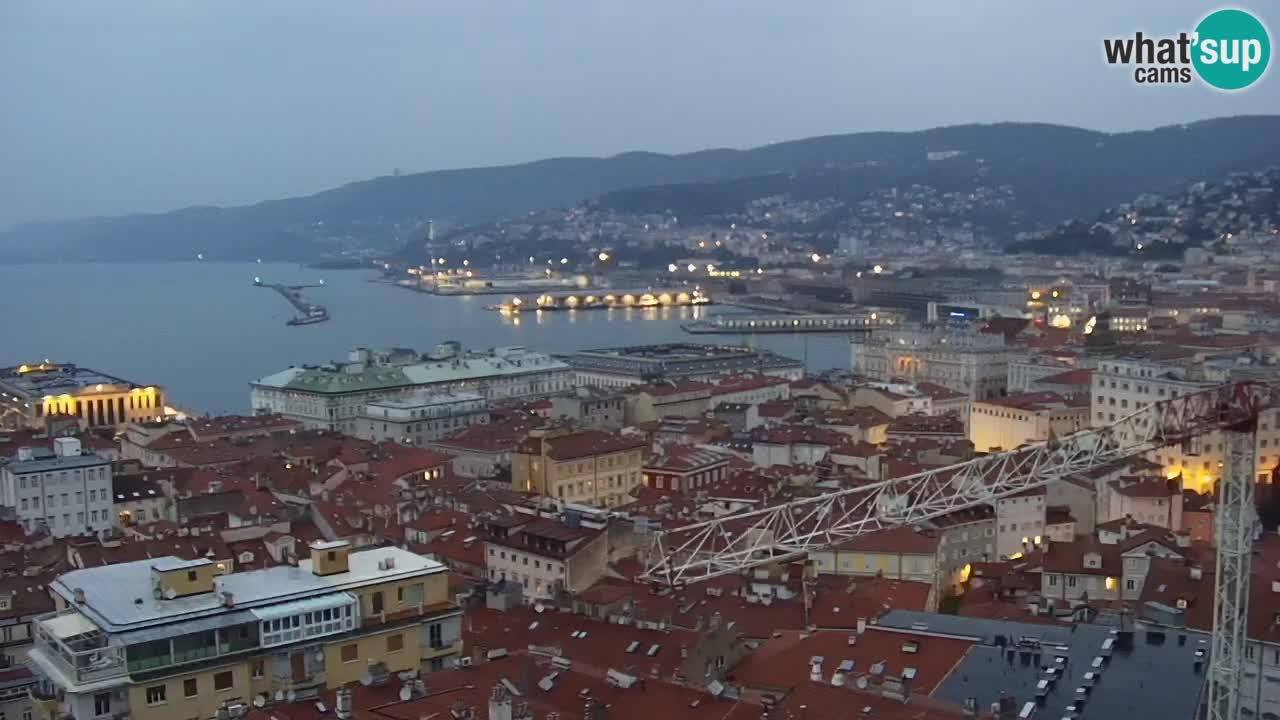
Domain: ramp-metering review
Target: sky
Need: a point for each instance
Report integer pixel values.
(132, 106)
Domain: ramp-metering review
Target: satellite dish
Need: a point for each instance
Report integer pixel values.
(367, 680)
(279, 695)
(291, 696)
(861, 682)
(405, 693)
(199, 256)
(259, 700)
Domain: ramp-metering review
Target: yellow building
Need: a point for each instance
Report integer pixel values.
(903, 553)
(32, 392)
(175, 639)
(580, 466)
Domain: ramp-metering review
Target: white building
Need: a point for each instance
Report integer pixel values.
(421, 417)
(336, 396)
(973, 363)
(1020, 522)
(65, 493)
(1013, 421)
(1124, 385)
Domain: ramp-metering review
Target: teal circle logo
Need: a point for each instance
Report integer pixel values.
(1231, 49)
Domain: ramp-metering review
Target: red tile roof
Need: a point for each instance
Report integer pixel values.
(581, 444)
(842, 601)
(783, 663)
(904, 540)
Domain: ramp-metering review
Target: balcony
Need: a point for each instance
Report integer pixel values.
(69, 643)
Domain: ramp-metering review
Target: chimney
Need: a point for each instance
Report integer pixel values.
(500, 703)
(343, 711)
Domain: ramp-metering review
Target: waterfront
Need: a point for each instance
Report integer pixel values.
(203, 331)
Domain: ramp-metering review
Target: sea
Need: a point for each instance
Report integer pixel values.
(203, 331)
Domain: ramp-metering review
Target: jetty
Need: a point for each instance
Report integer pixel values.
(751, 323)
(308, 313)
(601, 299)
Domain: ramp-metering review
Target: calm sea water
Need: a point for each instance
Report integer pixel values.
(203, 331)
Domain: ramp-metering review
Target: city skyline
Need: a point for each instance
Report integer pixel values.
(147, 107)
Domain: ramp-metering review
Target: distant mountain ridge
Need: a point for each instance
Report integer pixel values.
(1096, 169)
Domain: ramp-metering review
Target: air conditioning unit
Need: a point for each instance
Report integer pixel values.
(464, 661)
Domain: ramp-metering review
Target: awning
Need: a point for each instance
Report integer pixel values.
(69, 625)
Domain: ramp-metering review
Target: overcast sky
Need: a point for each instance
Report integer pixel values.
(128, 106)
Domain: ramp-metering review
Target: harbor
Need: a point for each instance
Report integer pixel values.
(747, 323)
(603, 300)
(308, 313)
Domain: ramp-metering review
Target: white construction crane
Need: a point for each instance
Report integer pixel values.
(734, 543)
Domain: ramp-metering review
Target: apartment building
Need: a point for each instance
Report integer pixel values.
(904, 553)
(1013, 421)
(546, 557)
(593, 467)
(685, 469)
(1124, 385)
(421, 417)
(65, 493)
(169, 638)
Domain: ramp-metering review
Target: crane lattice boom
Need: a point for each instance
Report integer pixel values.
(738, 542)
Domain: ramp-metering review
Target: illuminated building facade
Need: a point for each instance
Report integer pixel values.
(972, 363)
(30, 393)
(1124, 385)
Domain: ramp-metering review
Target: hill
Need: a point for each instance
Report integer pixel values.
(1056, 171)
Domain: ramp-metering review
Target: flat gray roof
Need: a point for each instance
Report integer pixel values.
(47, 464)
(999, 665)
(118, 598)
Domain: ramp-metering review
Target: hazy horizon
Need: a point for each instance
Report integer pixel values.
(139, 107)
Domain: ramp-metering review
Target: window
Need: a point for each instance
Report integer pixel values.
(191, 575)
(1053, 580)
(350, 653)
(259, 668)
(395, 643)
(156, 695)
(435, 633)
(190, 687)
(102, 704)
(223, 681)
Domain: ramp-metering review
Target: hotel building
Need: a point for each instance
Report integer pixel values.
(168, 638)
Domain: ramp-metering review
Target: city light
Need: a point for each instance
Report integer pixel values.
(877, 269)
(815, 257)
(672, 267)
(1035, 294)
(466, 263)
(692, 267)
(564, 261)
(603, 257)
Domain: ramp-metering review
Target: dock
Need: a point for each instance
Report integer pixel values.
(601, 299)
(748, 323)
(309, 313)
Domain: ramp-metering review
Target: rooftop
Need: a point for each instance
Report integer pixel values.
(40, 379)
(363, 377)
(118, 597)
(1167, 661)
(56, 462)
(678, 359)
